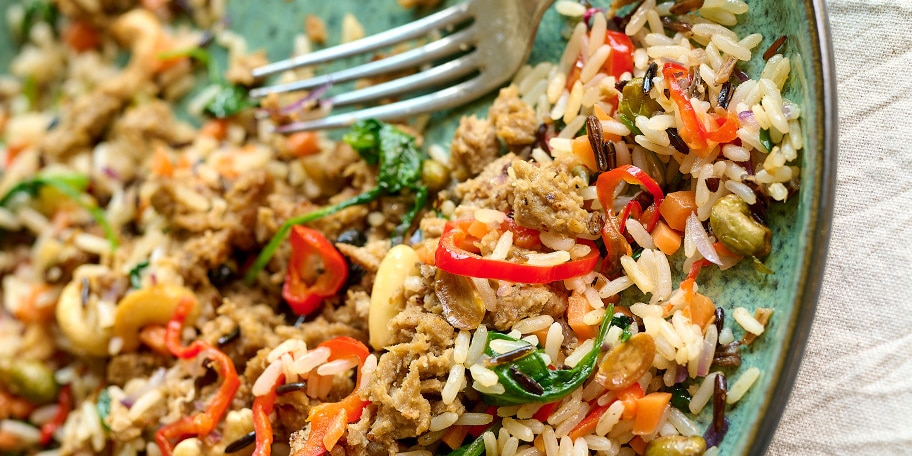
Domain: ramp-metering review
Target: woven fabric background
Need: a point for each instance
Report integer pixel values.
(854, 391)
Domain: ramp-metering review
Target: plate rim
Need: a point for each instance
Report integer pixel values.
(785, 371)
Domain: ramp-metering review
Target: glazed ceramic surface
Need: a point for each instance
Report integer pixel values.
(800, 226)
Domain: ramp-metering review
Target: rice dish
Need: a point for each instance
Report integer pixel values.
(530, 288)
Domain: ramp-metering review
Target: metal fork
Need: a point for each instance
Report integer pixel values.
(499, 39)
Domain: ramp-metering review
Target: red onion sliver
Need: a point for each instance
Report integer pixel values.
(694, 230)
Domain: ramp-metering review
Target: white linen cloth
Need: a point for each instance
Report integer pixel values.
(853, 395)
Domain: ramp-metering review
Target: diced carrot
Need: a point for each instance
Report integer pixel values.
(215, 128)
(577, 308)
(15, 407)
(454, 436)
(153, 336)
(161, 164)
(623, 310)
(650, 410)
(81, 36)
(427, 250)
(666, 239)
(303, 143)
(478, 229)
(539, 443)
(13, 151)
(525, 238)
(629, 397)
(638, 445)
(699, 310)
(587, 426)
(9, 441)
(600, 113)
(676, 207)
(31, 311)
(582, 150)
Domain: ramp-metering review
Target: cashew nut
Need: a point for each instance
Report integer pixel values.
(386, 297)
(149, 305)
(73, 319)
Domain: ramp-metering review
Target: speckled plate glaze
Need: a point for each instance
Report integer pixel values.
(801, 226)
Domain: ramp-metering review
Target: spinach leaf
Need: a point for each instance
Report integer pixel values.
(623, 322)
(554, 385)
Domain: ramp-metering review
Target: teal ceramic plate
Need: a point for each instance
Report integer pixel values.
(800, 227)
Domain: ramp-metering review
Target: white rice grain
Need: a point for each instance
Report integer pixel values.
(554, 340)
(474, 419)
(703, 395)
(490, 442)
(682, 423)
(548, 259)
(518, 430)
(747, 321)
(740, 387)
(483, 375)
(639, 233)
(477, 345)
(443, 421)
(337, 366)
(578, 353)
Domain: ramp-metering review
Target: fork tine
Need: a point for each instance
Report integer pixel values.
(435, 76)
(409, 59)
(450, 16)
(450, 97)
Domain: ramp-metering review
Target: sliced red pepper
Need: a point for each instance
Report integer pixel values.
(607, 183)
(456, 260)
(262, 408)
(328, 420)
(201, 424)
(65, 403)
(588, 425)
(619, 61)
(694, 132)
(316, 270)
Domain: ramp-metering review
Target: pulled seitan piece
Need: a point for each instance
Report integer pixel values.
(474, 146)
(514, 120)
(406, 385)
(491, 188)
(527, 300)
(546, 199)
(83, 123)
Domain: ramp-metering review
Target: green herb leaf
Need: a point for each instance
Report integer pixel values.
(766, 140)
(399, 161)
(37, 11)
(70, 185)
(680, 398)
(103, 407)
(136, 274)
(228, 101)
(556, 384)
(623, 322)
(629, 123)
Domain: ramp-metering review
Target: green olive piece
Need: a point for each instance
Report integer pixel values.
(31, 380)
(435, 175)
(737, 230)
(676, 445)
